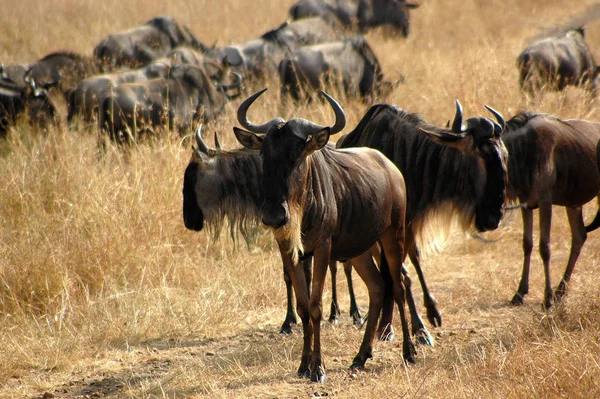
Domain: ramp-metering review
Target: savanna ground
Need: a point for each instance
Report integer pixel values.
(104, 293)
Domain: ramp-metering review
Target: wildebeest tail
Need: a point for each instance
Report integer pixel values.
(596, 222)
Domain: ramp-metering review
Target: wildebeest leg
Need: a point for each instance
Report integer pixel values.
(578, 237)
(527, 215)
(335, 307)
(366, 269)
(315, 308)
(433, 315)
(392, 243)
(300, 289)
(418, 328)
(385, 330)
(357, 317)
(290, 315)
(545, 224)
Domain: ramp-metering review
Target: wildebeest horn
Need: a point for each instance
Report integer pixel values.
(234, 85)
(243, 119)
(496, 114)
(201, 145)
(340, 117)
(217, 143)
(457, 124)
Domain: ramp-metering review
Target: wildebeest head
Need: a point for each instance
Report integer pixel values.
(480, 137)
(385, 12)
(284, 146)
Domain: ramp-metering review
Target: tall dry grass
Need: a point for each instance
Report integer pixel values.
(103, 291)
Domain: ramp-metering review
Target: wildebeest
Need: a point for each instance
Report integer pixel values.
(218, 184)
(392, 13)
(143, 44)
(349, 66)
(557, 62)
(187, 95)
(334, 205)
(17, 100)
(458, 171)
(551, 162)
(84, 99)
(259, 58)
(336, 12)
(60, 69)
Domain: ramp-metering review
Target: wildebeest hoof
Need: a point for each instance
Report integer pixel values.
(424, 338)
(318, 377)
(517, 300)
(286, 329)
(434, 317)
(333, 319)
(387, 336)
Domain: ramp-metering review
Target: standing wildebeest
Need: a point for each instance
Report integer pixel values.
(19, 99)
(456, 172)
(551, 162)
(350, 66)
(63, 67)
(85, 98)
(364, 13)
(187, 95)
(144, 44)
(557, 62)
(219, 184)
(259, 58)
(334, 12)
(334, 205)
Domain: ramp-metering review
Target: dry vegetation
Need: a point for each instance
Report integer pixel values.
(104, 293)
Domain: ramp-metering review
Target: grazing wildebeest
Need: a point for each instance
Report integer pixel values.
(334, 205)
(144, 44)
(551, 162)
(85, 97)
(259, 58)
(557, 62)
(336, 12)
(219, 184)
(393, 13)
(65, 67)
(25, 99)
(458, 171)
(349, 66)
(187, 95)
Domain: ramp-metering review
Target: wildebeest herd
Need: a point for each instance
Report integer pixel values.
(364, 201)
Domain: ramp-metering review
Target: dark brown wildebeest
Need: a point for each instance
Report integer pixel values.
(333, 205)
(17, 100)
(349, 66)
(557, 62)
(65, 67)
(144, 44)
(219, 184)
(335, 12)
(458, 171)
(551, 162)
(84, 99)
(392, 13)
(186, 96)
(259, 58)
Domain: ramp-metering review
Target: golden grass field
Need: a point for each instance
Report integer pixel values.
(104, 293)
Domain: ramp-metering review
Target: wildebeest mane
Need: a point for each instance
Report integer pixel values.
(435, 174)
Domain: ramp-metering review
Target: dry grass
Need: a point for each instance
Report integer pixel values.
(104, 293)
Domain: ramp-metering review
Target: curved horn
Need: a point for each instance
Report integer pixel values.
(234, 85)
(340, 117)
(217, 143)
(201, 145)
(457, 124)
(243, 119)
(497, 115)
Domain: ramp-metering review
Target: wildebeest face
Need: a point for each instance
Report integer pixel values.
(480, 138)
(193, 218)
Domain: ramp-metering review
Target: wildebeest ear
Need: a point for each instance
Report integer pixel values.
(317, 140)
(581, 31)
(248, 139)
(443, 137)
(412, 5)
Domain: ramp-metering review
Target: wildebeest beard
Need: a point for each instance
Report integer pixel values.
(489, 209)
(234, 197)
